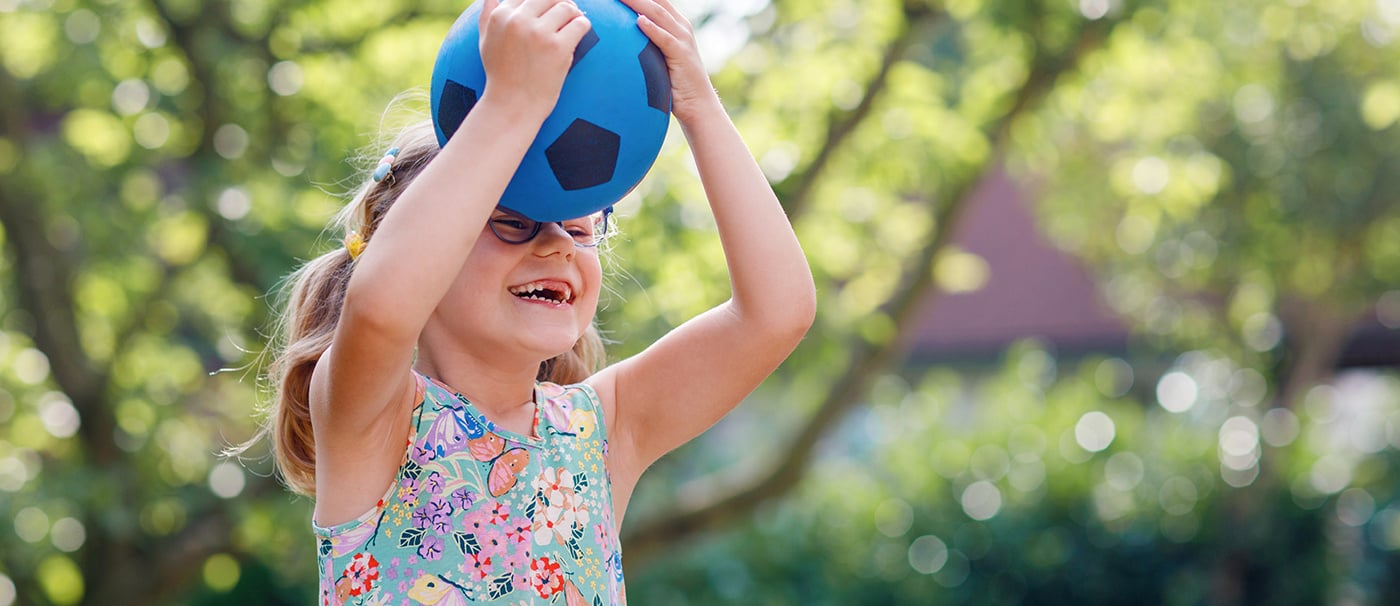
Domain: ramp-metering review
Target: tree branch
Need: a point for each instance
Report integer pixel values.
(44, 279)
(213, 113)
(795, 190)
(869, 359)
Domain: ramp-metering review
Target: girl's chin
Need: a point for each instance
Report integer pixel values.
(552, 347)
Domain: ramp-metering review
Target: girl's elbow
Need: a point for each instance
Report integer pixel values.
(805, 314)
(798, 313)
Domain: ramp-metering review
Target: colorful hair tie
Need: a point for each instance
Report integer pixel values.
(386, 165)
(354, 244)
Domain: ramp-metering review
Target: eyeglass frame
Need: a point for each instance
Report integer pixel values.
(539, 225)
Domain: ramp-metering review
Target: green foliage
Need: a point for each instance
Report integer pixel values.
(1251, 158)
(1228, 170)
(1003, 490)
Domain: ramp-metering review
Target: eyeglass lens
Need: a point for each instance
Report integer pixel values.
(513, 228)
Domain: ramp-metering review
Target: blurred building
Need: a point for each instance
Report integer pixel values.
(1035, 290)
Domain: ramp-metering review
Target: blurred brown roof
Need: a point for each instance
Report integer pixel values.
(1034, 289)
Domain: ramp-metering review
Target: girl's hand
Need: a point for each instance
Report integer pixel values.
(527, 47)
(671, 32)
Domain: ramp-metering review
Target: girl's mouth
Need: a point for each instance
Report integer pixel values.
(548, 291)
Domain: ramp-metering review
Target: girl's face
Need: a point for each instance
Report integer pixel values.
(534, 299)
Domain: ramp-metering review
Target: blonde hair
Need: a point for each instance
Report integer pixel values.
(315, 294)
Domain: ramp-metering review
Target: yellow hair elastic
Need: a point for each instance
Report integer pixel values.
(354, 244)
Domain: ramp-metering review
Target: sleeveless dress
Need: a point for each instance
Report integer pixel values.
(480, 515)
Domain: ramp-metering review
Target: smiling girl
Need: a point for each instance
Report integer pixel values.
(441, 392)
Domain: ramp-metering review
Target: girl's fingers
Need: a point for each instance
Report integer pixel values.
(559, 15)
(662, 15)
(674, 12)
(536, 8)
(575, 30)
(663, 39)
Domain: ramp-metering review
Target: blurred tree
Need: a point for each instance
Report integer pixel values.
(163, 163)
(1251, 163)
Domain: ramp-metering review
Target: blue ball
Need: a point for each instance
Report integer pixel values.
(605, 131)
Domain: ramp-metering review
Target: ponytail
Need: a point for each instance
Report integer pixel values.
(313, 310)
(315, 296)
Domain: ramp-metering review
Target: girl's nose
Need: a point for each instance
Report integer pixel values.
(554, 238)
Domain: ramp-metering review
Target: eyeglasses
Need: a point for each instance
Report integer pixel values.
(513, 228)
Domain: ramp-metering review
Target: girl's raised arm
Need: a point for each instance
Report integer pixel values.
(423, 241)
(697, 373)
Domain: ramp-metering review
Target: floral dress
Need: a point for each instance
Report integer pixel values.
(479, 514)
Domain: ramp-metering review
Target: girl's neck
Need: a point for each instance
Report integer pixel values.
(505, 396)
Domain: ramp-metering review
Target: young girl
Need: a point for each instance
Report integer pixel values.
(437, 393)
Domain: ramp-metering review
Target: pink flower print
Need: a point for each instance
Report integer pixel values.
(476, 521)
(600, 536)
(493, 542)
(500, 512)
(518, 531)
(362, 572)
(517, 559)
(521, 581)
(545, 577)
(431, 549)
(478, 565)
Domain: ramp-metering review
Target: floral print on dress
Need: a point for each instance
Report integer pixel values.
(480, 515)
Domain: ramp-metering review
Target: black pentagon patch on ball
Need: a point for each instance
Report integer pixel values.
(454, 105)
(589, 41)
(658, 79)
(583, 156)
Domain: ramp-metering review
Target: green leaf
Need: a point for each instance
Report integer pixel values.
(580, 480)
(466, 543)
(574, 549)
(412, 537)
(501, 585)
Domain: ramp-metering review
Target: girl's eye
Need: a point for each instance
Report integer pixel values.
(511, 223)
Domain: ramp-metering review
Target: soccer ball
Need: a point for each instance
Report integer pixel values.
(605, 131)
